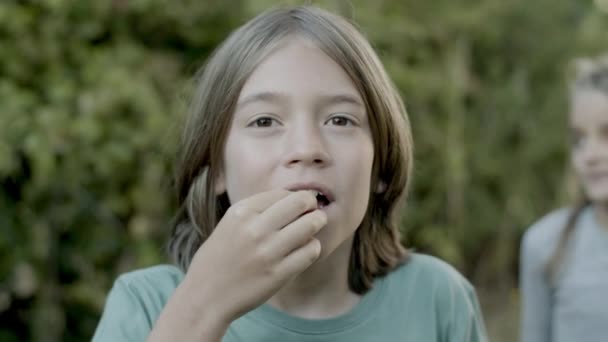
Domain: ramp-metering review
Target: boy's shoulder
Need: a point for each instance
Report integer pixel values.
(430, 273)
(135, 302)
(434, 288)
(442, 301)
(424, 265)
(160, 278)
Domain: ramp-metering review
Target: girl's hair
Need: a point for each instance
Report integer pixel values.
(552, 268)
(589, 74)
(377, 245)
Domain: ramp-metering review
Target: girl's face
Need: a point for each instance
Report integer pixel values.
(589, 125)
(299, 124)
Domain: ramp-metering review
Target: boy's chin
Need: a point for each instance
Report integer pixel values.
(330, 249)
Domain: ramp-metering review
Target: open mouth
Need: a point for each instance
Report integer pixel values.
(323, 194)
(322, 200)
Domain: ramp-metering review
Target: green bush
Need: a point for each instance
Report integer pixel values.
(92, 92)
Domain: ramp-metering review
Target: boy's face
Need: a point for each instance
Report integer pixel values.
(589, 126)
(300, 123)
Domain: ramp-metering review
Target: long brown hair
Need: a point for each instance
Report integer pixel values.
(557, 257)
(588, 74)
(377, 247)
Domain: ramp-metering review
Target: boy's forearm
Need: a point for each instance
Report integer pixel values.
(182, 320)
(171, 330)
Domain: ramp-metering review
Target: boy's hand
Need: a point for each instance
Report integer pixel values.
(260, 243)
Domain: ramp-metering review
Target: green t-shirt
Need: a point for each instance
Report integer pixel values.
(424, 300)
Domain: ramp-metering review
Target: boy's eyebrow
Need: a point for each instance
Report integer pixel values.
(326, 100)
(267, 96)
(341, 98)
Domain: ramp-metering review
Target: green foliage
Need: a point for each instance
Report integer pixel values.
(92, 94)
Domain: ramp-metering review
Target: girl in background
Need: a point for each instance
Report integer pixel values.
(294, 165)
(564, 260)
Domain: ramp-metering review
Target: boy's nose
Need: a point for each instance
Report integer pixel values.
(306, 146)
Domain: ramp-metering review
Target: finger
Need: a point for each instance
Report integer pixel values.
(297, 233)
(287, 210)
(258, 203)
(299, 260)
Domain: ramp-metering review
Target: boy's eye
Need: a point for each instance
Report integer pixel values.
(262, 122)
(340, 121)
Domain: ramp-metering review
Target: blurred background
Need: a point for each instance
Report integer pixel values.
(92, 93)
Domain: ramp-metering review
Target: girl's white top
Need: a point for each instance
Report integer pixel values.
(575, 307)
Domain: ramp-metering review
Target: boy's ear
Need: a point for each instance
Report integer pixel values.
(220, 184)
(380, 187)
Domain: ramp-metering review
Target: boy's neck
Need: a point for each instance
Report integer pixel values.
(322, 290)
